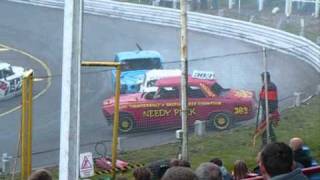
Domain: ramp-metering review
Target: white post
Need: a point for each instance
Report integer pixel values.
(70, 97)
(317, 7)
(260, 5)
(301, 27)
(239, 6)
(298, 99)
(230, 4)
(184, 79)
(288, 7)
(266, 92)
(318, 90)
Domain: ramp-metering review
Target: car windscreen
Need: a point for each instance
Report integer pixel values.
(141, 64)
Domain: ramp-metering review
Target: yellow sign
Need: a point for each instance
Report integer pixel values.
(241, 110)
(155, 113)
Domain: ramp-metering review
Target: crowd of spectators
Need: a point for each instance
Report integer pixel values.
(276, 161)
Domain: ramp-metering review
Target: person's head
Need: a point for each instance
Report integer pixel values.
(179, 173)
(296, 143)
(178, 162)
(216, 161)
(208, 171)
(276, 158)
(40, 174)
(142, 173)
(267, 74)
(158, 168)
(240, 169)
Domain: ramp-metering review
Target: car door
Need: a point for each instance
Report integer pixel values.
(163, 109)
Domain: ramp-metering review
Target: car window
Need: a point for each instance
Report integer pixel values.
(217, 89)
(167, 93)
(151, 83)
(141, 64)
(1, 74)
(195, 92)
(8, 72)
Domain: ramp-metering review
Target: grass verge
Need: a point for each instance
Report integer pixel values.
(303, 121)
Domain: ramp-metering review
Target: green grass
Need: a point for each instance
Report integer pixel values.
(303, 121)
(236, 144)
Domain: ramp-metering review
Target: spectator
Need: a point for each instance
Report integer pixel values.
(179, 173)
(224, 171)
(273, 113)
(276, 163)
(240, 170)
(158, 168)
(178, 162)
(40, 174)
(299, 154)
(208, 171)
(142, 173)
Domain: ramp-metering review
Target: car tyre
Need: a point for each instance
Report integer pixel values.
(126, 123)
(220, 121)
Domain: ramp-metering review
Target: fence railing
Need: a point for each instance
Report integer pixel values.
(285, 42)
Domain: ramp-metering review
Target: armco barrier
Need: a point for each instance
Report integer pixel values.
(260, 35)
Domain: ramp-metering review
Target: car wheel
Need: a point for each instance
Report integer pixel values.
(220, 121)
(126, 123)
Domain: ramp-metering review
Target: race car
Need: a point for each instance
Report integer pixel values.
(135, 65)
(10, 80)
(149, 82)
(208, 101)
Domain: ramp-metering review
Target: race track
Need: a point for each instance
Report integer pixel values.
(39, 31)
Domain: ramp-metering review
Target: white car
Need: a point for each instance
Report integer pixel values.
(151, 76)
(10, 80)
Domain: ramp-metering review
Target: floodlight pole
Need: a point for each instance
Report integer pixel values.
(184, 79)
(70, 95)
(265, 81)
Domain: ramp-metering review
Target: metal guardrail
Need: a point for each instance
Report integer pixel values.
(282, 41)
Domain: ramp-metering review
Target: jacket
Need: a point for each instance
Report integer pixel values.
(293, 175)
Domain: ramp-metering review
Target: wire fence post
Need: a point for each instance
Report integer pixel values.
(184, 79)
(266, 93)
(26, 125)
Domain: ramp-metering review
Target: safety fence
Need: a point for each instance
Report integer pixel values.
(264, 36)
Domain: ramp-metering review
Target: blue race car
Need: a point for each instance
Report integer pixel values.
(135, 65)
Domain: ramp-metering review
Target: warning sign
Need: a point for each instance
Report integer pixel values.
(86, 165)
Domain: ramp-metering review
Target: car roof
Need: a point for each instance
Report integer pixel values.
(4, 65)
(175, 81)
(160, 73)
(128, 55)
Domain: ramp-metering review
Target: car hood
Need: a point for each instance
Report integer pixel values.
(125, 98)
(241, 94)
(132, 77)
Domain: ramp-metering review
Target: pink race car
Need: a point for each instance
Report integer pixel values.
(207, 100)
